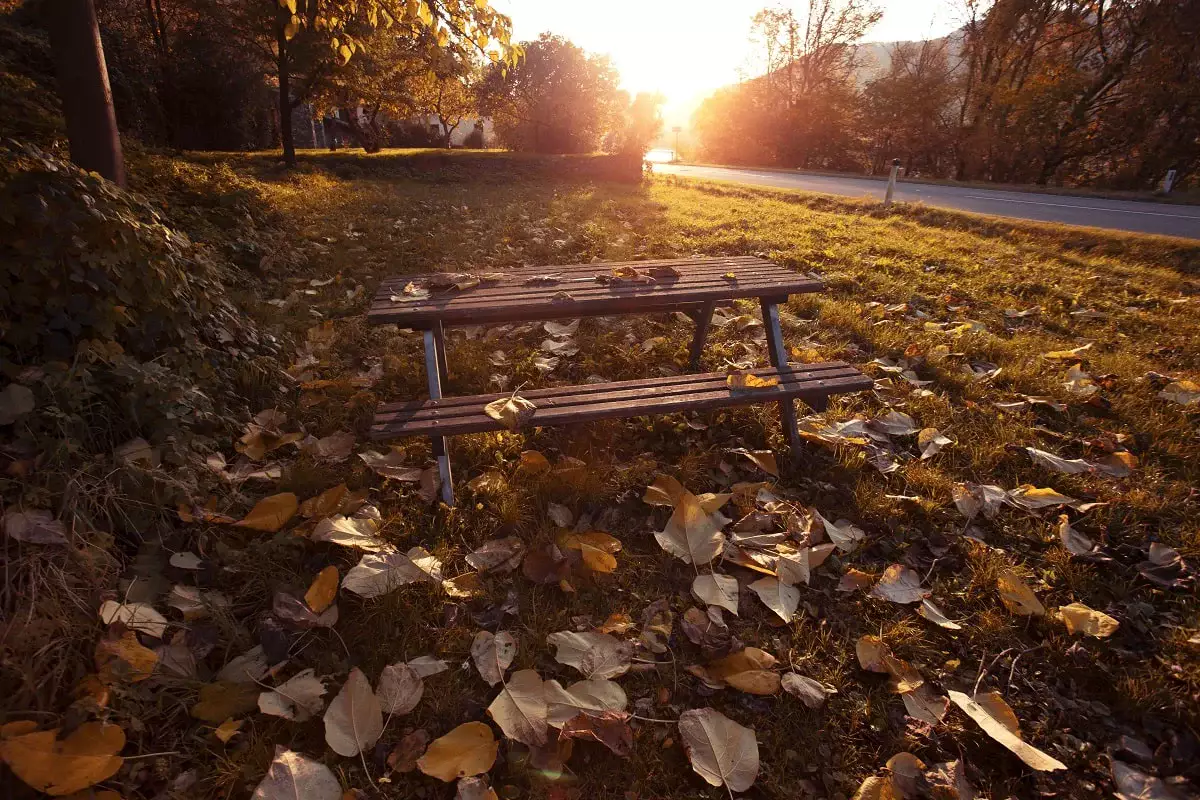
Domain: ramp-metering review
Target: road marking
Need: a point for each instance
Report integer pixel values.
(1081, 208)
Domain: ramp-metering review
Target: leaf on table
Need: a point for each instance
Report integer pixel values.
(1079, 618)
(1033, 757)
(139, 617)
(399, 689)
(466, 751)
(493, 654)
(592, 696)
(901, 585)
(609, 728)
(596, 655)
(931, 612)
(379, 573)
(57, 766)
(497, 555)
(271, 513)
(354, 719)
(777, 596)
(692, 534)
(664, 271)
(358, 531)
(34, 527)
(721, 751)
(123, 659)
(512, 412)
(596, 549)
(408, 751)
(746, 380)
(292, 775)
(717, 590)
(520, 708)
(298, 698)
(930, 442)
(321, 593)
(1017, 596)
(811, 692)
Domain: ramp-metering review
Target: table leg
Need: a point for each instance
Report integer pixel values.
(787, 407)
(439, 338)
(434, 367)
(703, 318)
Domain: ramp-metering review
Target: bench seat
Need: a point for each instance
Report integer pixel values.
(561, 405)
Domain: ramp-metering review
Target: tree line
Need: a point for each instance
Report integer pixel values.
(1063, 92)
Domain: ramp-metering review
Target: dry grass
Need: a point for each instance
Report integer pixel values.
(359, 220)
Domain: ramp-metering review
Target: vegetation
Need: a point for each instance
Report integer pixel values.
(1062, 92)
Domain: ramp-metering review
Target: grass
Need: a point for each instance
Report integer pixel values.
(358, 219)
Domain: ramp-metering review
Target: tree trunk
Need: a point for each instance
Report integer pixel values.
(83, 87)
(285, 104)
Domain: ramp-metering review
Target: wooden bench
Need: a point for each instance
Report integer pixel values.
(693, 286)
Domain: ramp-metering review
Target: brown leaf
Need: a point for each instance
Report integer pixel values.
(657, 624)
(520, 708)
(293, 775)
(996, 729)
(326, 503)
(811, 692)
(323, 590)
(399, 690)
(56, 766)
(899, 584)
(298, 615)
(123, 659)
(533, 463)
(1017, 596)
(512, 412)
(596, 655)
(717, 590)
(354, 719)
(692, 534)
(546, 565)
(596, 549)
(610, 728)
(220, 701)
(271, 513)
(404, 756)
(749, 670)
(497, 555)
(493, 654)
(34, 527)
(721, 751)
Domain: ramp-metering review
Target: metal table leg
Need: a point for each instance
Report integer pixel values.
(439, 338)
(787, 407)
(703, 318)
(435, 368)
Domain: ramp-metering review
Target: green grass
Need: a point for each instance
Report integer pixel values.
(340, 217)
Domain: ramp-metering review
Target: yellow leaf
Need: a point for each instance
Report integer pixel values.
(1079, 618)
(595, 547)
(470, 749)
(62, 766)
(1017, 596)
(745, 379)
(325, 504)
(227, 729)
(124, 660)
(271, 513)
(290, 5)
(320, 595)
(533, 462)
(996, 729)
(1068, 355)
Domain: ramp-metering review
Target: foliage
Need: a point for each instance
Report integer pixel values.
(642, 125)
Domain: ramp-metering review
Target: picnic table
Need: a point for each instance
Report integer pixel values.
(694, 286)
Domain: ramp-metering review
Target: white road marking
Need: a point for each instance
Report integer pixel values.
(1081, 208)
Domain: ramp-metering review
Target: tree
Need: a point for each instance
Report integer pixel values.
(556, 99)
(643, 124)
(83, 87)
(909, 110)
(446, 90)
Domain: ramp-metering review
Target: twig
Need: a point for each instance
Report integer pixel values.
(651, 719)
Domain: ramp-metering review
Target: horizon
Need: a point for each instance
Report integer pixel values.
(645, 59)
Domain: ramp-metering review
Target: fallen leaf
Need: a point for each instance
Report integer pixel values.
(1073, 466)
(493, 654)
(512, 412)
(1132, 784)
(15, 402)
(596, 655)
(1017, 596)
(62, 766)
(1068, 355)
(777, 596)
(34, 527)
(323, 590)
(489, 482)
(692, 534)
(1079, 618)
(657, 623)
(934, 614)
(763, 459)
(139, 617)
(425, 666)
(497, 555)
(546, 565)
(249, 667)
(408, 751)
(299, 698)
(476, 788)
(900, 584)
(221, 700)
(749, 670)
(921, 703)
(334, 448)
(292, 775)
(796, 566)
(326, 503)
(717, 590)
(842, 533)
(271, 513)
(227, 730)
(1185, 393)
(617, 622)
(464, 586)
(596, 548)
(390, 465)
(1033, 498)
(1033, 757)
(399, 689)
(533, 462)
(295, 612)
(592, 696)
(354, 719)
(609, 728)
(123, 659)
(871, 652)
(357, 531)
(930, 442)
(520, 708)
(811, 692)
(186, 560)
(377, 574)
(721, 751)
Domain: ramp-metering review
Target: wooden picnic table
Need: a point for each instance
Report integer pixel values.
(524, 294)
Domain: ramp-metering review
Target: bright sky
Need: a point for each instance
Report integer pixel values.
(687, 48)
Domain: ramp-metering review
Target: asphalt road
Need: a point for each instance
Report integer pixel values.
(1122, 215)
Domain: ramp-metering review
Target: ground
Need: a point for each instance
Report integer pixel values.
(973, 306)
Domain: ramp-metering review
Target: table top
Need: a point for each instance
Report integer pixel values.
(522, 294)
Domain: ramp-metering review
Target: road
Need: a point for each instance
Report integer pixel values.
(1121, 215)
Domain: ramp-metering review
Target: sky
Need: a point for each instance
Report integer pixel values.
(687, 48)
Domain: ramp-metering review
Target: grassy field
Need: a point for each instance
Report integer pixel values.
(971, 306)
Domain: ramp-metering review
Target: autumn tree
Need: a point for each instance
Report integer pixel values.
(446, 90)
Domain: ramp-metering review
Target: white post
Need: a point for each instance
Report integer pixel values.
(887, 199)
(1168, 181)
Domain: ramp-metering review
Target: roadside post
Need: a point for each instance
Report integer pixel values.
(1168, 181)
(887, 199)
(676, 130)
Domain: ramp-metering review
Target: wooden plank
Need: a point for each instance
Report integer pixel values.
(605, 406)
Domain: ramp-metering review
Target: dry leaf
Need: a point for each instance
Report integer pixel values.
(1017, 596)
(323, 590)
(292, 776)
(692, 534)
(271, 513)
(595, 548)
(721, 751)
(34, 527)
(1033, 498)
(1075, 542)
(717, 590)
(227, 730)
(470, 749)
(596, 655)
(921, 703)
(296, 613)
(326, 503)
(533, 463)
(512, 412)
(404, 756)
(493, 654)
(930, 442)
(617, 622)
(62, 766)
(854, 580)
(399, 689)
(1185, 393)
(425, 666)
(796, 566)
(123, 659)
(1079, 618)
(298, 698)
(15, 402)
(354, 719)
(390, 465)
(560, 515)
(777, 596)
(811, 692)
(763, 459)
(379, 573)
(520, 708)
(592, 696)
(749, 670)
(842, 533)
(139, 617)
(220, 701)
(1068, 355)
(934, 614)
(609, 728)
(900, 584)
(996, 729)
(1072, 466)
(489, 482)
(474, 789)
(657, 624)
(871, 652)
(358, 531)
(249, 667)
(497, 555)
(1132, 784)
